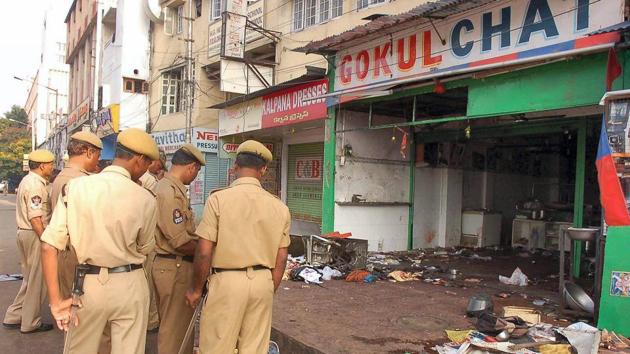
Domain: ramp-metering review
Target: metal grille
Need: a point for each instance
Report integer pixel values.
(216, 173)
(304, 197)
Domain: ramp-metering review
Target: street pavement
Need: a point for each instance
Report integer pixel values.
(12, 341)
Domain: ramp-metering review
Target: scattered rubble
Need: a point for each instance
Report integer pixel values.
(518, 278)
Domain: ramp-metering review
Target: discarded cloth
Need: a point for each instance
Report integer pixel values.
(555, 349)
(518, 278)
(306, 274)
(329, 273)
(357, 275)
(399, 275)
(458, 336)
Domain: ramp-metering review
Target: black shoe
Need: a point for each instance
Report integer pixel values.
(44, 327)
(11, 325)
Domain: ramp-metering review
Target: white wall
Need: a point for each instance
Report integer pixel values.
(386, 225)
(437, 207)
(120, 58)
(379, 174)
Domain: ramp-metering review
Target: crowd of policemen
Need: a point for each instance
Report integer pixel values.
(117, 251)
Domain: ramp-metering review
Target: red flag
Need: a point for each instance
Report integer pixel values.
(611, 194)
(613, 69)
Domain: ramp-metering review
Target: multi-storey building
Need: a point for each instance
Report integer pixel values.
(46, 104)
(222, 88)
(82, 22)
(123, 71)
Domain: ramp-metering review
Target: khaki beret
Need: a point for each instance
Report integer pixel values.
(191, 150)
(89, 138)
(255, 148)
(41, 156)
(139, 142)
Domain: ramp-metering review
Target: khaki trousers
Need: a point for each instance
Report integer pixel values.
(119, 301)
(154, 318)
(66, 263)
(237, 313)
(172, 277)
(26, 308)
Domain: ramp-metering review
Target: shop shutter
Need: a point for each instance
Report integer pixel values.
(216, 173)
(304, 195)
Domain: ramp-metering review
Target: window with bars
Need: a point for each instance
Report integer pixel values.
(172, 91)
(216, 7)
(307, 13)
(180, 19)
(362, 4)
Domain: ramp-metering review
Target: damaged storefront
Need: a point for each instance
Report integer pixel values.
(289, 121)
(461, 143)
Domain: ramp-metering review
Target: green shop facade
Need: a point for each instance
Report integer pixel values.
(469, 123)
(474, 124)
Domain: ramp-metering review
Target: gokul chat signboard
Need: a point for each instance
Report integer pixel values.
(499, 33)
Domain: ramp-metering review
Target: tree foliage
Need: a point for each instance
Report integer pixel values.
(15, 141)
(17, 113)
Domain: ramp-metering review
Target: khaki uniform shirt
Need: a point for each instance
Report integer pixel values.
(149, 181)
(247, 223)
(68, 173)
(176, 223)
(32, 201)
(108, 219)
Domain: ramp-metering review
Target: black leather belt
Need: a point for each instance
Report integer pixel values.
(256, 267)
(172, 256)
(92, 269)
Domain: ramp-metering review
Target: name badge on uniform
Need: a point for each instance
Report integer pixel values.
(36, 202)
(178, 218)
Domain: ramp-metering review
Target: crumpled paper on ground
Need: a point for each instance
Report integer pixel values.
(310, 276)
(399, 275)
(518, 278)
(329, 273)
(10, 277)
(458, 336)
(583, 337)
(555, 349)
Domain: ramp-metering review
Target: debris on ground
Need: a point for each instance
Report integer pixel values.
(518, 278)
(400, 276)
(358, 275)
(539, 302)
(330, 273)
(613, 341)
(529, 315)
(583, 337)
(306, 274)
(458, 337)
(10, 277)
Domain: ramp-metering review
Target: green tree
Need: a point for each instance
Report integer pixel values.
(17, 113)
(14, 143)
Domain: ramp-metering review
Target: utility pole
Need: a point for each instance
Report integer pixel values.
(189, 82)
(97, 56)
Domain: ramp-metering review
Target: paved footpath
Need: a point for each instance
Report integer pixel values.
(12, 341)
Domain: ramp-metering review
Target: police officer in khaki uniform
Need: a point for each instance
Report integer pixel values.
(243, 235)
(110, 221)
(32, 216)
(175, 241)
(84, 150)
(149, 181)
